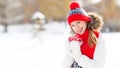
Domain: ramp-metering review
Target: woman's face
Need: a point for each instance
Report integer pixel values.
(79, 26)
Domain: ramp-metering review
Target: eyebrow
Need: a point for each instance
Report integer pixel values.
(78, 22)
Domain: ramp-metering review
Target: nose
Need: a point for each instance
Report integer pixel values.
(77, 26)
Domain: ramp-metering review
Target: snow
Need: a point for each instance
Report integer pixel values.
(20, 49)
(112, 50)
(38, 15)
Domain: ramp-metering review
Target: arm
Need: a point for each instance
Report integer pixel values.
(99, 55)
(69, 58)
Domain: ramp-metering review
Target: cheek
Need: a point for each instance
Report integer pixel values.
(74, 29)
(84, 25)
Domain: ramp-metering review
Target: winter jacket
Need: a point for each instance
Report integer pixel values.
(74, 54)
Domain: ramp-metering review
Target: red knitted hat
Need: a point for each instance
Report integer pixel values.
(77, 13)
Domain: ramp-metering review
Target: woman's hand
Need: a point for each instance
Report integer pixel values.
(75, 47)
(76, 50)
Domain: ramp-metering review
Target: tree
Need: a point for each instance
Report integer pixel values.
(10, 12)
(3, 15)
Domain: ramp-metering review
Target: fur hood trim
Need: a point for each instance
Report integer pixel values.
(96, 21)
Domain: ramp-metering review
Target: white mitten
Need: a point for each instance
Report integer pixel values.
(69, 57)
(75, 47)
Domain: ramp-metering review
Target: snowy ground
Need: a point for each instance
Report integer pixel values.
(20, 49)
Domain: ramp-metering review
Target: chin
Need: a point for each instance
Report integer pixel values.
(80, 33)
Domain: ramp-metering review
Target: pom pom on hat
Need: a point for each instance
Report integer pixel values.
(77, 13)
(74, 5)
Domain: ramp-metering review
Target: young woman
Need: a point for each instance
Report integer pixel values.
(85, 47)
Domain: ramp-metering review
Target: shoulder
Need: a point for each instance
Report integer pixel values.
(100, 50)
(101, 43)
(100, 38)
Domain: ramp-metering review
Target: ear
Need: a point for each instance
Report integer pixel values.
(96, 21)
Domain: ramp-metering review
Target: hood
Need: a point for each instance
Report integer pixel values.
(96, 21)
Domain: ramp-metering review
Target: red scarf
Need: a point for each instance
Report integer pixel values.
(85, 48)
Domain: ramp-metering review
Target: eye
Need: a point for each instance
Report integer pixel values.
(78, 22)
(72, 25)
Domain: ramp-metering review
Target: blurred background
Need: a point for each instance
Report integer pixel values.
(33, 32)
(21, 11)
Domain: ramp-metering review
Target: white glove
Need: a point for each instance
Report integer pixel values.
(75, 47)
(69, 57)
